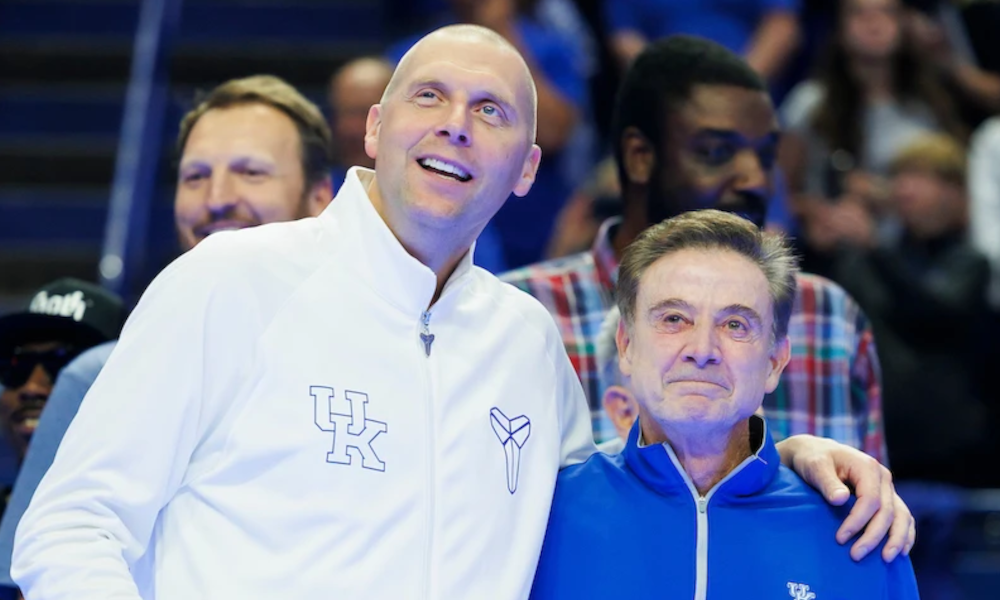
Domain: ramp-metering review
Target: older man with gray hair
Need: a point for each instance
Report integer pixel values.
(705, 300)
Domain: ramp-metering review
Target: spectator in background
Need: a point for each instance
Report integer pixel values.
(353, 89)
(926, 298)
(695, 128)
(525, 225)
(874, 95)
(62, 319)
(253, 151)
(939, 28)
(984, 198)
(765, 32)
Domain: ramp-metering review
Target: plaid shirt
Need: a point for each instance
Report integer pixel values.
(830, 388)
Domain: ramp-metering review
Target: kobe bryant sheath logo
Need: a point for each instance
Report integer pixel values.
(512, 433)
(346, 417)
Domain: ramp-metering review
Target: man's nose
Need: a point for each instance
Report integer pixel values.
(38, 385)
(752, 176)
(702, 346)
(456, 125)
(222, 193)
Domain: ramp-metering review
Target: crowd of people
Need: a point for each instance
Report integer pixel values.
(472, 305)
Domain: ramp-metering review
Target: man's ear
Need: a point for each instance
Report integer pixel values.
(780, 355)
(638, 157)
(621, 408)
(372, 127)
(622, 340)
(319, 197)
(528, 171)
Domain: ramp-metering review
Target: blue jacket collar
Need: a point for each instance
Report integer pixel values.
(659, 469)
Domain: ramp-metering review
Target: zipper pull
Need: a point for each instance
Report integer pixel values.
(702, 505)
(425, 334)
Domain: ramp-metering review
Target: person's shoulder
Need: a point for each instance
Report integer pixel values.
(603, 473)
(90, 360)
(815, 293)
(551, 273)
(986, 137)
(256, 250)
(512, 298)
(800, 103)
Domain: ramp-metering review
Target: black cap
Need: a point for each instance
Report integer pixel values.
(67, 310)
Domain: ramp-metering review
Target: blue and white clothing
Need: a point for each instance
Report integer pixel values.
(761, 532)
(284, 417)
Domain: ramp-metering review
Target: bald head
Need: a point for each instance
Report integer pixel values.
(367, 72)
(446, 41)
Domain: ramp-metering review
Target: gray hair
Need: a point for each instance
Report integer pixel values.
(712, 229)
(606, 351)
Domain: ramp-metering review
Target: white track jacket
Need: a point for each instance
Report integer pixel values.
(271, 425)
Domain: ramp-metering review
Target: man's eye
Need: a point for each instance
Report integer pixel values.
(490, 111)
(737, 328)
(717, 154)
(193, 177)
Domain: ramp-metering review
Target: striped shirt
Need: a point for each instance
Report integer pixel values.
(831, 387)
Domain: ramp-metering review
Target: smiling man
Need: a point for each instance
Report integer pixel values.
(341, 406)
(305, 407)
(698, 504)
(63, 318)
(253, 151)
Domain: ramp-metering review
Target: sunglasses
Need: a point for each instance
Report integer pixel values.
(17, 369)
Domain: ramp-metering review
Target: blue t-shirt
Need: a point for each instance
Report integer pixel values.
(728, 22)
(524, 225)
(71, 386)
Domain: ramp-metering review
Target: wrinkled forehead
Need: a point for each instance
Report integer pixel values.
(706, 278)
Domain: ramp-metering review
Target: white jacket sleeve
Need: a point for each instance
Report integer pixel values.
(984, 197)
(127, 451)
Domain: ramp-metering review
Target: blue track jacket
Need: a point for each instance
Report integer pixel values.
(634, 526)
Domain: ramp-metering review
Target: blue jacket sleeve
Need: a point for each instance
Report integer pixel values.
(900, 581)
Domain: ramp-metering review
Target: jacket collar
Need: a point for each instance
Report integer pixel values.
(658, 467)
(371, 250)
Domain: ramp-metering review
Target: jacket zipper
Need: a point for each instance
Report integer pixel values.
(425, 332)
(701, 508)
(427, 339)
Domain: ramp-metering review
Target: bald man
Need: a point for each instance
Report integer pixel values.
(354, 88)
(302, 410)
(338, 407)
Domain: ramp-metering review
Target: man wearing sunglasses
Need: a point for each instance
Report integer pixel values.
(63, 318)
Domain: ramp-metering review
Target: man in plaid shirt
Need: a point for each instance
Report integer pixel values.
(695, 129)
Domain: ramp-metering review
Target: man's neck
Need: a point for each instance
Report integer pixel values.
(707, 456)
(440, 253)
(634, 221)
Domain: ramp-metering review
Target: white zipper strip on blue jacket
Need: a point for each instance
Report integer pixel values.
(701, 508)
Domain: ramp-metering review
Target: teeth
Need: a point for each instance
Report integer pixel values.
(444, 167)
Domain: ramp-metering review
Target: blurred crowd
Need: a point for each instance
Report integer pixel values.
(886, 177)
